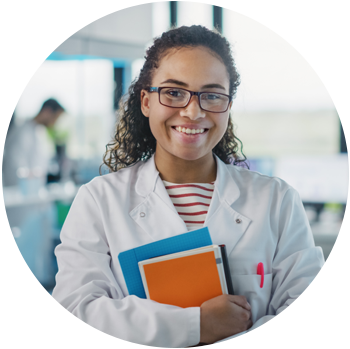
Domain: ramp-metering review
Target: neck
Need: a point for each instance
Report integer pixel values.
(38, 119)
(176, 170)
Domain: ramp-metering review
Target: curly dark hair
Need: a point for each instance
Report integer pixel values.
(133, 140)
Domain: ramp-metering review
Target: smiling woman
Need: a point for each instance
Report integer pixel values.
(173, 170)
(199, 70)
(170, 62)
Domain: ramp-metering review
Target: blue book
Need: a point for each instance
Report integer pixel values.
(129, 259)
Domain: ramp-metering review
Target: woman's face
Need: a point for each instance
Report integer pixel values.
(195, 69)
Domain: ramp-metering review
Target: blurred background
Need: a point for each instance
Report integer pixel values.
(282, 114)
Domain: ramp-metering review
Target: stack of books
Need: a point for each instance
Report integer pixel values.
(184, 270)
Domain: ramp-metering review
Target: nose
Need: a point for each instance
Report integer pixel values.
(193, 111)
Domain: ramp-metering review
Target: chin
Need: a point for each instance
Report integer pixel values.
(189, 156)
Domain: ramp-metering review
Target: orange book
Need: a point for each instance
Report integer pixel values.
(185, 279)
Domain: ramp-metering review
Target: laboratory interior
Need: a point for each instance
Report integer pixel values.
(282, 113)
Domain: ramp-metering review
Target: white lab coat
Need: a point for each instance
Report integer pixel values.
(27, 146)
(258, 218)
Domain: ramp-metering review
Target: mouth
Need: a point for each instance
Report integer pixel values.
(190, 131)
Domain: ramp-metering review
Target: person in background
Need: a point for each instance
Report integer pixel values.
(28, 148)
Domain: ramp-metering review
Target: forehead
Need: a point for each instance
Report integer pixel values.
(196, 67)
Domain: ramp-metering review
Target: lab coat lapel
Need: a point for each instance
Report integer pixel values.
(226, 225)
(156, 215)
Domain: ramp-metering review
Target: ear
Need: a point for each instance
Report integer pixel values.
(145, 102)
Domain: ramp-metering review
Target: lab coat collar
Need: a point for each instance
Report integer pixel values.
(225, 186)
(224, 183)
(159, 218)
(147, 178)
(225, 224)
(156, 214)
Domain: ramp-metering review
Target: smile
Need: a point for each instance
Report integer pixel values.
(189, 131)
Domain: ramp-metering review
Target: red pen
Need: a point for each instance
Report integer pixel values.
(260, 271)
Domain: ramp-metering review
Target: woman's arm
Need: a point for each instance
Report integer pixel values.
(301, 313)
(86, 286)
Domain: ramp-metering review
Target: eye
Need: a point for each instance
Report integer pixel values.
(175, 93)
(212, 96)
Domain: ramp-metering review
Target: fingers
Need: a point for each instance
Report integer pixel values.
(224, 316)
(244, 317)
(244, 314)
(241, 301)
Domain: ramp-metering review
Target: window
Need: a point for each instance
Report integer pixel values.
(195, 12)
(288, 56)
(85, 90)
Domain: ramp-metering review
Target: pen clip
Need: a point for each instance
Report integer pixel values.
(260, 272)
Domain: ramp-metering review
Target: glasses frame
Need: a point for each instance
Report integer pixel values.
(198, 94)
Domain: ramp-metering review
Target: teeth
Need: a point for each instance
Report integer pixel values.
(189, 130)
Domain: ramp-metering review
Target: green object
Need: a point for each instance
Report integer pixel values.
(62, 212)
(59, 136)
(332, 206)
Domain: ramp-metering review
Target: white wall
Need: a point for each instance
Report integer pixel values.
(109, 28)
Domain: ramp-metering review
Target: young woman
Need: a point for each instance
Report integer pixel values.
(175, 137)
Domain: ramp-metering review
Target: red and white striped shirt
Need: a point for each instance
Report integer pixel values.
(191, 201)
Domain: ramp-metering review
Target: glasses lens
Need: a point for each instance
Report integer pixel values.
(214, 102)
(174, 97)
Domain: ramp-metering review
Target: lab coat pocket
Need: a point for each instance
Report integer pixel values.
(258, 298)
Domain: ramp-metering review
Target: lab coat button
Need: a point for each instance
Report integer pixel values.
(238, 220)
(142, 214)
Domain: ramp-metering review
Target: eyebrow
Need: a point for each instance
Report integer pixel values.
(181, 83)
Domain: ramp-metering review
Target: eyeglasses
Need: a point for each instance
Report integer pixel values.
(174, 97)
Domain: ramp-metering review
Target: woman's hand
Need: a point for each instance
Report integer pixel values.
(224, 316)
